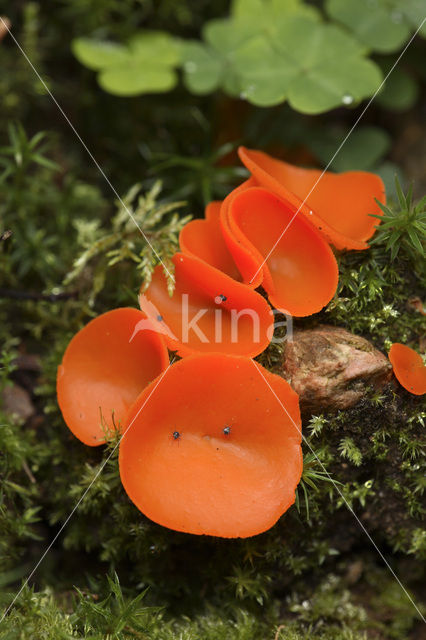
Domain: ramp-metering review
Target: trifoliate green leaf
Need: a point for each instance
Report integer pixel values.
(337, 84)
(331, 69)
(135, 79)
(270, 10)
(264, 76)
(413, 11)
(226, 36)
(316, 66)
(145, 65)
(156, 46)
(96, 54)
(377, 23)
(363, 149)
(202, 68)
(400, 91)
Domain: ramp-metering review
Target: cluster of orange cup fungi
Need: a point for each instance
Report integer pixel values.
(212, 443)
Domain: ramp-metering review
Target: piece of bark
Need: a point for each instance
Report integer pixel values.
(331, 368)
(17, 401)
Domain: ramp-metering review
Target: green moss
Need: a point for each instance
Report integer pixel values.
(330, 610)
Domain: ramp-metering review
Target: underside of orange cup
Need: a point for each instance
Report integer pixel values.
(339, 205)
(408, 368)
(105, 367)
(213, 447)
(299, 269)
(208, 311)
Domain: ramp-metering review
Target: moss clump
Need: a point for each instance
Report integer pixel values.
(330, 610)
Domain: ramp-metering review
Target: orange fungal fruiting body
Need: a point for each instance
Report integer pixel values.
(105, 367)
(208, 311)
(339, 205)
(204, 239)
(211, 241)
(210, 449)
(299, 270)
(408, 368)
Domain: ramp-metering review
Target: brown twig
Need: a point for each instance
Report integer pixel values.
(28, 295)
(5, 25)
(280, 628)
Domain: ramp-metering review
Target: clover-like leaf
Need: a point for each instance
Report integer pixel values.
(269, 11)
(98, 54)
(313, 65)
(337, 83)
(331, 68)
(377, 23)
(400, 91)
(363, 149)
(413, 11)
(158, 46)
(202, 68)
(226, 38)
(146, 65)
(264, 76)
(135, 79)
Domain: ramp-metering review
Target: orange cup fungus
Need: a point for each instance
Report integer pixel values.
(299, 270)
(208, 311)
(212, 451)
(105, 367)
(408, 368)
(339, 205)
(211, 241)
(204, 239)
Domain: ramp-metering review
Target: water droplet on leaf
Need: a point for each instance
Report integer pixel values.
(347, 98)
(248, 92)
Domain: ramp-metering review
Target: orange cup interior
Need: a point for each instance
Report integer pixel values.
(103, 371)
(209, 449)
(208, 311)
(204, 239)
(300, 272)
(339, 205)
(408, 368)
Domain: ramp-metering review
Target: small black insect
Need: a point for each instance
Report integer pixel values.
(227, 431)
(222, 297)
(176, 435)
